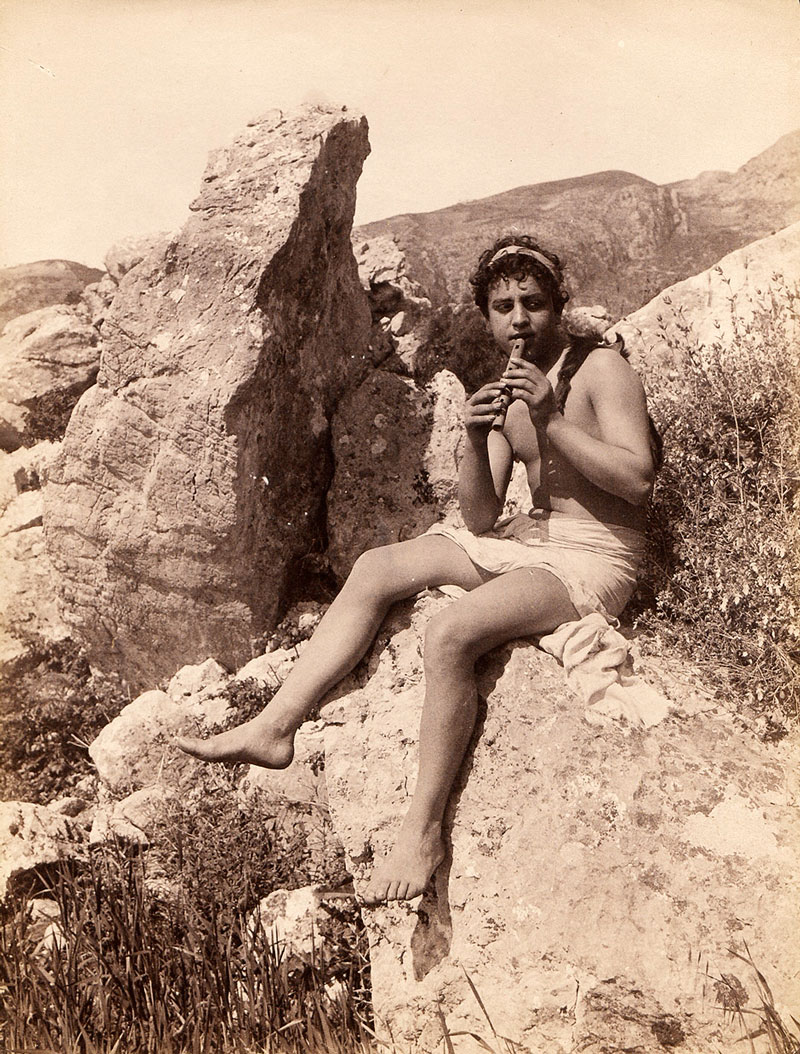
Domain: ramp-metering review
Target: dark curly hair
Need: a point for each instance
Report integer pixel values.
(516, 267)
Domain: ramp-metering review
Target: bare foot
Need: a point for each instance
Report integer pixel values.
(254, 743)
(407, 870)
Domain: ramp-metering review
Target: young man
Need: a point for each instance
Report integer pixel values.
(578, 421)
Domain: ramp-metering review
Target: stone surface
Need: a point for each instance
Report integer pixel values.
(395, 448)
(206, 677)
(32, 836)
(716, 301)
(136, 749)
(193, 475)
(597, 881)
(47, 354)
(28, 287)
(124, 255)
(29, 606)
(131, 818)
(291, 918)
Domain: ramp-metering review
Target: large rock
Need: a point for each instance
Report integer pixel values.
(718, 303)
(395, 446)
(48, 358)
(32, 836)
(27, 287)
(124, 255)
(193, 476)
(29, 608)
(598, 883)
(136, 749)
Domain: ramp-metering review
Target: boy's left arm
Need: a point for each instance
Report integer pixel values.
(619, 461)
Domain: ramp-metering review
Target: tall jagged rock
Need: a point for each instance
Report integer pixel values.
(193, 475)
(599, 881)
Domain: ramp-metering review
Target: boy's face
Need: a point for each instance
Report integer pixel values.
(523, 308)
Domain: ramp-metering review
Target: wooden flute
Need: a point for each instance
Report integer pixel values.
(504, 399)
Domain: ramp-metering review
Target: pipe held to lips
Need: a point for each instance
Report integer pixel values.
(504, 399)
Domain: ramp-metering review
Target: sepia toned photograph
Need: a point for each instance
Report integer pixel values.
(399, 527)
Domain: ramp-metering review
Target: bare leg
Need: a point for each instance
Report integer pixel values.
(379, 578)
(517, 604)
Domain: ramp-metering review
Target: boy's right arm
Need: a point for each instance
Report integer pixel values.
(486, 462)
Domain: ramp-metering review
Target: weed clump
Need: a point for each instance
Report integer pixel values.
(724, 559)
(51, 708)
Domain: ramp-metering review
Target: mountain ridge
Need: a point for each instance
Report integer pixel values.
(623, 238)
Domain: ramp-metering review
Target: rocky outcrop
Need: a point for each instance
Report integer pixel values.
(48, 358)
(32, 836)
(717, 304)
(395, 447)
(124, 255)
(601, 880)
(28, 287)
(29, 606)
(193, 475)
(598, 881)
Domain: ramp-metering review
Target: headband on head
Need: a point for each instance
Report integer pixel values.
(521, 250)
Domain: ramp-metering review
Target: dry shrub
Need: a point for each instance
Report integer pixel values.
(725, 537)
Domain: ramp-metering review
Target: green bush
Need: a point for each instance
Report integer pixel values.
(723, 569)
(457, 339)
(52, 707)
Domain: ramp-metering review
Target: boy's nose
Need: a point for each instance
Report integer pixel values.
(519, 316)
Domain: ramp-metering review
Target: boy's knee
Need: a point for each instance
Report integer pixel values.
(372, 572)
(448, 636)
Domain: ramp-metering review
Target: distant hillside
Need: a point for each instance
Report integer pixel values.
(28, 287)
(623, 238)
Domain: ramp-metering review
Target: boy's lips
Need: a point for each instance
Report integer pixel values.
(527, 337)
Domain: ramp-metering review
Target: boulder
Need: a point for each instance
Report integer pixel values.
(204, 678)
(587, 321)
(395, 450)
(32, 836)
(48, 358)
(27, 287)
(193, 476)
(124, 255)
(29, 607)
(715, 304)
(290, 918)
(136, 749)
(97, 297)
(599, 883)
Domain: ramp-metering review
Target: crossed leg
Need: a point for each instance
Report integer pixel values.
(516, 604)
(379, 578)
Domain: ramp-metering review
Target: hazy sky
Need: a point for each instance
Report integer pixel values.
(109, 107)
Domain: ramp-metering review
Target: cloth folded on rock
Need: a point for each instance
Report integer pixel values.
(595, 658)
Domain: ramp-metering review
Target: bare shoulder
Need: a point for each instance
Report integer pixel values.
(605, 370)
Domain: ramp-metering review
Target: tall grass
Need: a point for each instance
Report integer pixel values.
(126, 970)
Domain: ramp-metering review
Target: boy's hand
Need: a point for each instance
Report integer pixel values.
(527, 382)
(481, 407)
